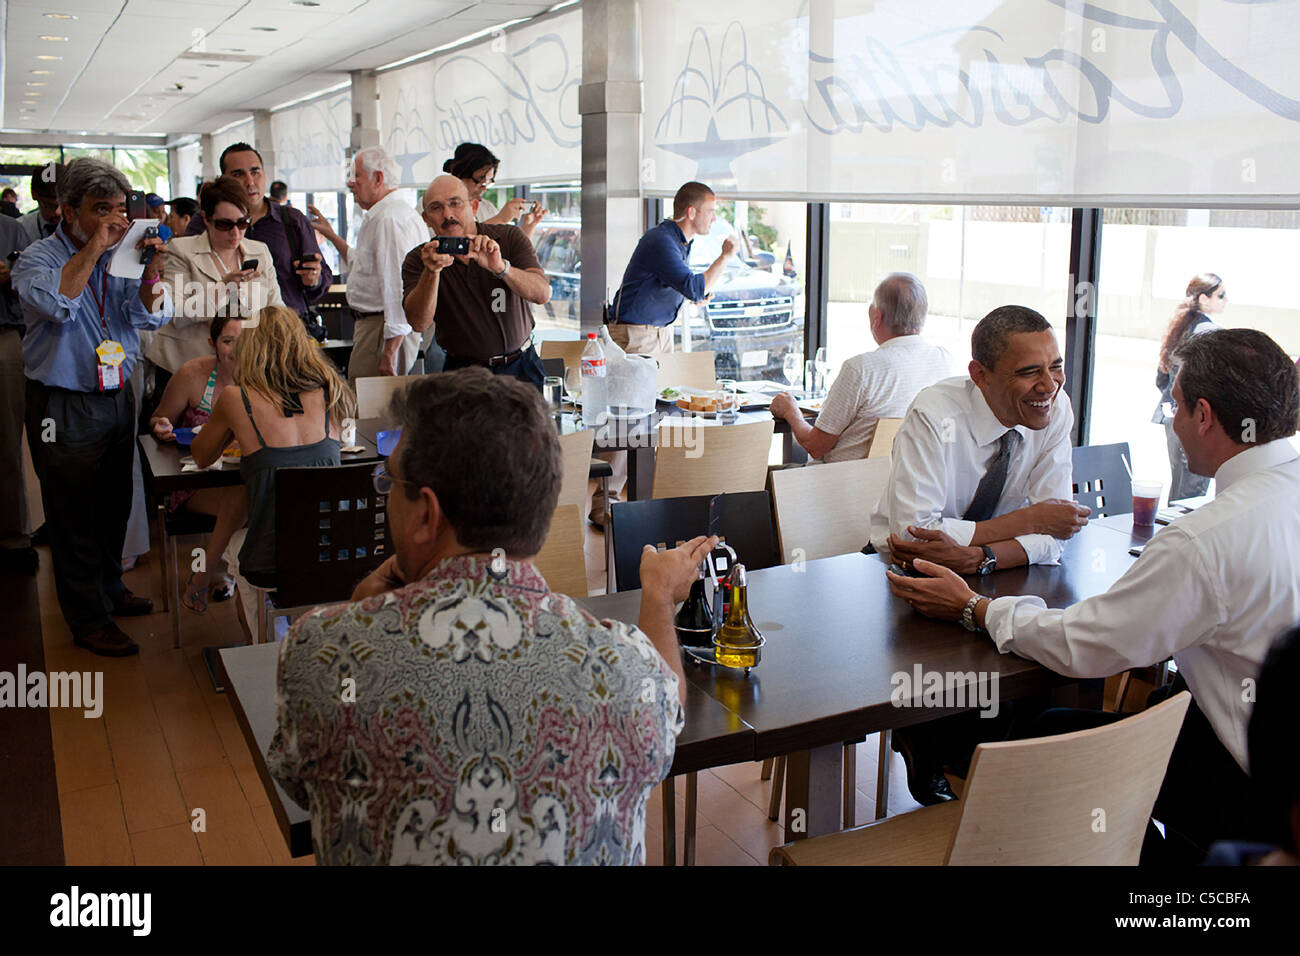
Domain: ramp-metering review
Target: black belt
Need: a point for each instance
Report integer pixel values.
(496, 361)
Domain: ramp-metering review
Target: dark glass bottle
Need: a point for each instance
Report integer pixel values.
(694, 621)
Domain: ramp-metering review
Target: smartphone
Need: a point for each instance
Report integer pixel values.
(248, 264)
(136, 207)
(907, 572)
(453, 245)
(12, 257)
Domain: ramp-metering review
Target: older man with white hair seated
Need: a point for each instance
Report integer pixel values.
(383, 343)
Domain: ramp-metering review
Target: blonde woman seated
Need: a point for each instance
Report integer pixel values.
(207, 276)
(285, 409)
(187, 402)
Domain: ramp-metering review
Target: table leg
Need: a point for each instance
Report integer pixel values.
(670, 822)
(882, 774)
(813, 781)
(640, 472)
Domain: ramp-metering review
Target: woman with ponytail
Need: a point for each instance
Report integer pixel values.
(1206, 296)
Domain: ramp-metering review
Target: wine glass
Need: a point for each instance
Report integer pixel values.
(823, 367)
(792, 366)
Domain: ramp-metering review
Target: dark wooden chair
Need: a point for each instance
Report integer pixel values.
(331, 530)
(745, 523)
(1101, 481)
(553, 367)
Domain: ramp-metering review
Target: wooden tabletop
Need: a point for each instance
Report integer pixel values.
(836, 636)
(164, 462)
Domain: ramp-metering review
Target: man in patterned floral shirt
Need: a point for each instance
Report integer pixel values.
(458, 711)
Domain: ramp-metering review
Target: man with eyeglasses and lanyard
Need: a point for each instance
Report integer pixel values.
(80, 348)
(480, 303)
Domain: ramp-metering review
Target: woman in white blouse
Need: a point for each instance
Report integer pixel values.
(207, 278)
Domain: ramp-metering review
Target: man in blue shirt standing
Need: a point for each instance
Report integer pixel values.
(658, 279)
(79, 349)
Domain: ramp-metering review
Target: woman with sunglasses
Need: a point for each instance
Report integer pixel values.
(476, 166)
(207, 277)
(1206, 296)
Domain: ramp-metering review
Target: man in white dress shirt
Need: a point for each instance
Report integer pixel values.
(980, 480)
(1212, 590)
(981, 469)
(382, 340)
(873, 385)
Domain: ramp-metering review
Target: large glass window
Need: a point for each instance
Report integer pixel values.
(971, 259)
(1148, 257)
(755, 314)
(557, 241)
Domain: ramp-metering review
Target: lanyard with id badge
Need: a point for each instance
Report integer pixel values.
(110, 354)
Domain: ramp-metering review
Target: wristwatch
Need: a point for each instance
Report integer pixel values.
(968, 613)
(990, 562)
(503, 272)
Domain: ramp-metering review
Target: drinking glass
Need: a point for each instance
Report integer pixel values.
(553, 391)
(809, 379)
(793, 362)
(573, 381)
(823, 369)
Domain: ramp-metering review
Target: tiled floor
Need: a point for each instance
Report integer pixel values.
(166, 778)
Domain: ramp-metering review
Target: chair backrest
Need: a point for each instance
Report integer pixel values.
(692, 369)
(745, 523)
(576, 452)
(563, 560)
(882, 439)
(823, 510)
(553, 367)
(694, 459)
(570, 352)
(1075, 799)
(376, 391)
(331, 530)
(1101, 481)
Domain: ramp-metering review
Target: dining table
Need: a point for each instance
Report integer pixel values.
(839, 646)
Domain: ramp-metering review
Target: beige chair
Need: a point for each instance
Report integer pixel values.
(562, 560)
(691, 369)
(824, 510)
(882, 439)
(695, 459)
(571, 352)
(1080, 799)
(576, 452)
(375, 392)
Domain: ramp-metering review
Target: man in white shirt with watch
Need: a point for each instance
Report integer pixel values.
(1212, 590)
(382, 340)
(980, 479)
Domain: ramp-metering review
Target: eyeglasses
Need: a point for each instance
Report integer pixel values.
(486, 181)
(225, 225)
(383, 481)
(452, 206)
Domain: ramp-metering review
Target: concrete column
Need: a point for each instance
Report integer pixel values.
(610, 103)
(265, 143)
(365, 111)
(208, 157)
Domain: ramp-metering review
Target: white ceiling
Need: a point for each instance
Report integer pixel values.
(178, 66)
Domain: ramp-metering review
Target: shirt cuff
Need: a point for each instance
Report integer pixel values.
(999, 618)
(1041, 548)
(959, 530)
(393, 330)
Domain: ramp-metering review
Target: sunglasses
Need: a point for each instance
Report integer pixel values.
(225, 225)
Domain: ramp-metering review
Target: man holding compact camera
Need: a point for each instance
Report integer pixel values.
(476, 282)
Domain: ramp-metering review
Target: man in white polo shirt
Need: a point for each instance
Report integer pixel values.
(877, 384)
(1212, 590)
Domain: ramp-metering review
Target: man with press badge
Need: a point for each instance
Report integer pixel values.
(83, 300)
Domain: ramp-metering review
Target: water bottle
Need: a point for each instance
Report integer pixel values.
(593, 379)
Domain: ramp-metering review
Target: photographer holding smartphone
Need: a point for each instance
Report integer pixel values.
(479, 301)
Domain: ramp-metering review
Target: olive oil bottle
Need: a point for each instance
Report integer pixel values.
(737, 641)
